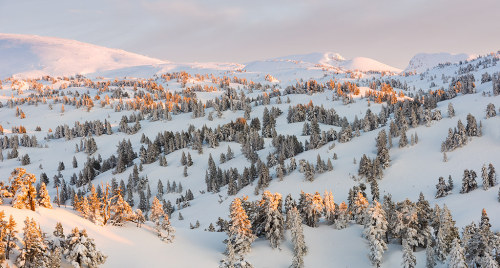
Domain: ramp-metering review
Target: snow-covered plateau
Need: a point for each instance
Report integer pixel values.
(305, 161)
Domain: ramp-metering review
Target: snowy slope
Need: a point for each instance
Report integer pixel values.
(423, 61)
(328, 59)
(413, 169)
(31, 55)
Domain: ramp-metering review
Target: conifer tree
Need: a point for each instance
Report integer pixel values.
(485, 177)
(33, 252)
(120, 211)
(492, 176)
(272, 224)
(457, 255)
(442, 188)
(95, 205)
(409, 260)
(44, 200)
(239, 233)
(469, 181)
(299, 246)
(375, 232)
(23, 189)
(430, 259)
(403, 140)
(9, 235)
(360, 206)
(342, 216)
(329, 207)
(451, 110)
(81, 250)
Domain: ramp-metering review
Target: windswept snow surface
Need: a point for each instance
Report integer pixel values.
(35, 56)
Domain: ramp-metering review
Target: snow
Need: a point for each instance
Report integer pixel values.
(423, 61)
(328, 59)
(413, 169)
(35, 56)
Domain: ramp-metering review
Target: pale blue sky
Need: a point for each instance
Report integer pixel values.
(391, 31)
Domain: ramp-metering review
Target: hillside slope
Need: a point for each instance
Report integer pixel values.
(423, 61)
(31, 56)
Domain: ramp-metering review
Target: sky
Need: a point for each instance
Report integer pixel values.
(390, 31)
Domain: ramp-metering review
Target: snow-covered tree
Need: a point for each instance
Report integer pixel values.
(95, 206)
(44, 200)
(23, 189)
(8, 236)
(430, 259)
(299, 245)
(442, 188)
(81, 250)
(33, 254)
(270, 221)
(457, 255)
(240, 233)
(409, 260)
(120, 211)
(329, 207)
(375, 231)
(162, 224)
(342, 216)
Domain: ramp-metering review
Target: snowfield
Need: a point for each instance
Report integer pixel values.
(122, 84)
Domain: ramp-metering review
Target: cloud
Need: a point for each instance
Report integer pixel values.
(391, 31)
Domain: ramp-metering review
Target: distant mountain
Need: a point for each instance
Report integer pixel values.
(31, 55)
(423, 61)
(327, 59)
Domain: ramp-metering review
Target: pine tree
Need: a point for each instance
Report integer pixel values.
(446, 233)
(442, 188)
(156, 212)
(342, 216)
(485, 177)
(403, 140)
(44, 200)
(360, 206)
(183, 159)
(492, 176)
(120, 211)
(240, 234)
(23, 189)
(451, 110)
(409, 260)
(33, 252)
(299, 246)
(469, 181)
(490, 110)
(95, 206)
(81, 250)
(329, 206)
(272, 224)
(430, 261)
(9, 235)
(450, 183)
(74, 162)
(375, 232)
(457, 255)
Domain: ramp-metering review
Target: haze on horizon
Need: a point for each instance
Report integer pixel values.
(239, 31)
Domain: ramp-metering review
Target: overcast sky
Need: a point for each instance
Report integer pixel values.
(390, 31)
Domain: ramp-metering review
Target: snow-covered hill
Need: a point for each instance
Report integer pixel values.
(166, 111)
(34, 56)
(328, 59)
(423, 61)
